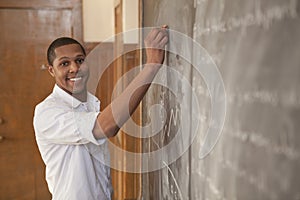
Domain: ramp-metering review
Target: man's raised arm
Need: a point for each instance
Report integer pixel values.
(111, 119)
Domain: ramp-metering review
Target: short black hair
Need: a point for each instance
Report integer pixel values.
(58, 43)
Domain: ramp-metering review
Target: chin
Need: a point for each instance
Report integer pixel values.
(78, 89)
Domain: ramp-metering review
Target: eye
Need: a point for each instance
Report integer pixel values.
(80, 60)
(64, 63)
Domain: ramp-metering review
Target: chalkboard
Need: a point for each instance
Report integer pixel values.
(255, 46)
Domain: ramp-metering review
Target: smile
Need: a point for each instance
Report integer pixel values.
(75, 79)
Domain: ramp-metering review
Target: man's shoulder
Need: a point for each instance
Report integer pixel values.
(51, 101)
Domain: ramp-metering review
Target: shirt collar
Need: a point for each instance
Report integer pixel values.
(72, 100)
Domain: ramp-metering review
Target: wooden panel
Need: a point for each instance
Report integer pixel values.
(132, 144)
(39, 3)
(126, 185)
(118, 176)
(25, 35)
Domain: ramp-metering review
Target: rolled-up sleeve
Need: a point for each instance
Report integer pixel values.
(59, 125)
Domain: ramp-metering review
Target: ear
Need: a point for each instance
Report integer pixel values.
(51, 70)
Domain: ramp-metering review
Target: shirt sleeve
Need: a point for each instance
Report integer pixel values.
(65, 126)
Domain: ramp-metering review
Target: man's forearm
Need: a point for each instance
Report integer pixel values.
(116, 114)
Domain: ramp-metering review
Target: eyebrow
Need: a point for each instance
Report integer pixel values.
(65, 57)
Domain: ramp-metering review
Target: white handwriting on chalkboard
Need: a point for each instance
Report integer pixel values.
(264, 19)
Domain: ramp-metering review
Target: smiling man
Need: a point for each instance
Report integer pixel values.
(70, 130)
(66, 65)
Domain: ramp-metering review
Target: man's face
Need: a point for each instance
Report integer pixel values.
(69, 70)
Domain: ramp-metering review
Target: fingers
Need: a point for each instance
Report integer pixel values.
(165, 38)
(164, 41)
(157, 38)
(161, 36)
(155, 43)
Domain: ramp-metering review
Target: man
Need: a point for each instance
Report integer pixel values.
(70, 130)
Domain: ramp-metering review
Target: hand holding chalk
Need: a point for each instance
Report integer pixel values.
(155, 43)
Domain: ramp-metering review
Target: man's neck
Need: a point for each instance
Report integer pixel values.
(82, 96)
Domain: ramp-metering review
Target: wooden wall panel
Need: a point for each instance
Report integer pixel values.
(27, 29)
(39, 4)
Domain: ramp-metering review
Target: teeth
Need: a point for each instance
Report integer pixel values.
(75, 79)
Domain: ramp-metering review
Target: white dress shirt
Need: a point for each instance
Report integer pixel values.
(73, 157)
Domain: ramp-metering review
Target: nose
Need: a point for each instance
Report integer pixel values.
(74, 67)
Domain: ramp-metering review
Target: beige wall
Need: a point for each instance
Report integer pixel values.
(98, 19)
(130, 20)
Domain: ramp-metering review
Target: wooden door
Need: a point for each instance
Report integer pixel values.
(126, 185)
(27, 28)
